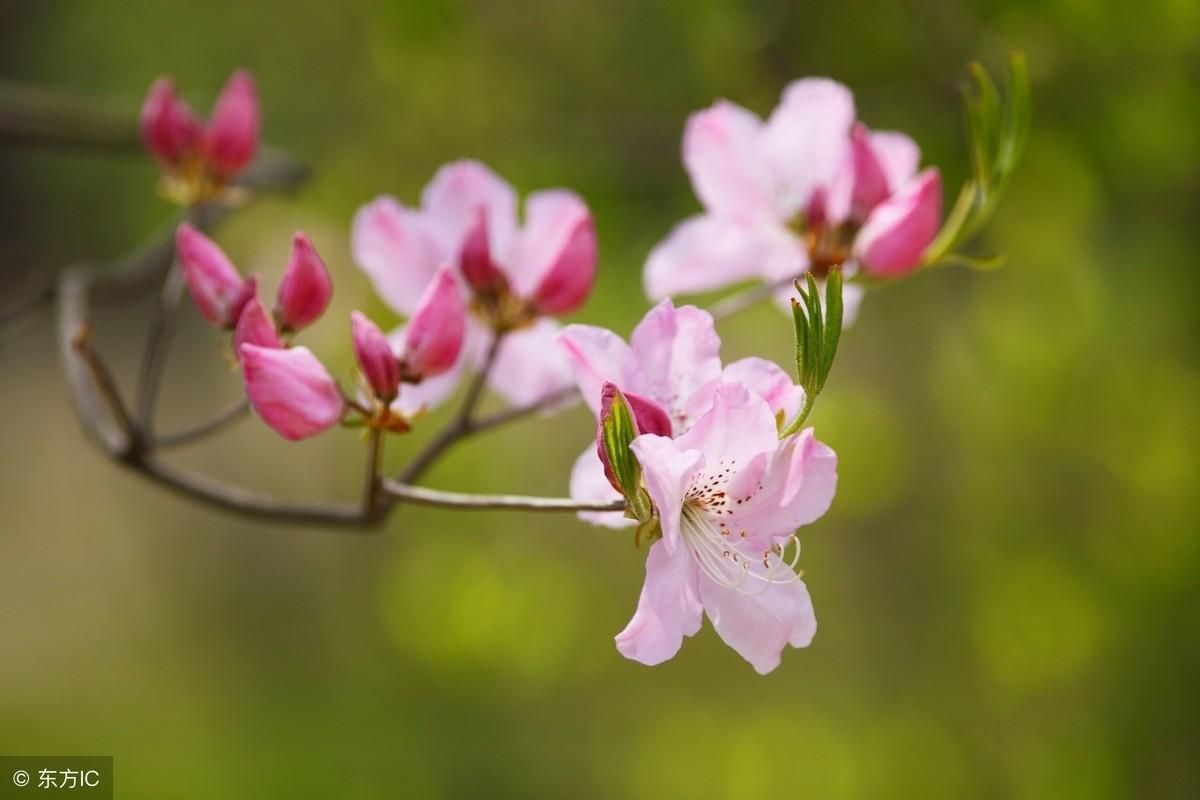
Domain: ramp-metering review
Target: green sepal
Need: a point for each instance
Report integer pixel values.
(618, 429)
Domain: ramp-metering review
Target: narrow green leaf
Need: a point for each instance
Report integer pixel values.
(800, 323)
(833, 321)
(816, 334)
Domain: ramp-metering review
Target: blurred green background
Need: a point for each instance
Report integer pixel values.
(1006, 584)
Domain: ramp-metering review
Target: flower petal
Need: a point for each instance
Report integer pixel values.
(231, 138)
(255, 327)
(553, 218)
(169, 128)
(738, 427)
(668, 608)
(306, 288)
(708, 252)
(529, 367)
(452, 200)
(676, 351)
(290, 390)
(765, 378)
(796, 489)
(434, 337)
(807, 137)
(596, 356)
(896, 234)
(588, 485)
(668, 470)
(724, 155)
(375, 356)
(214, 283)
(395, 247)
(897, 154)
(759, 626)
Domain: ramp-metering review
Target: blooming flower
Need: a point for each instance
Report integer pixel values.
(672, 362)
(515, 274)
(809, 188)
(729, 496)
(199, 159)
(290, 390)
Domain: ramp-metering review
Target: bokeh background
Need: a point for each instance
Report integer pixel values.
(1006, 585)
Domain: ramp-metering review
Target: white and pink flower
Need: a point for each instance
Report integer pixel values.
(514, 274)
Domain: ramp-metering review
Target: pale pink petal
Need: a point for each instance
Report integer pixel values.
(552, 218)
(394, 246)
(807, 138)
(596, 356)
(724, 153)
(708, 252)
(676, 351)
(529, 366)
(453, 198)
(668, 609)
(668, 470)
(765, 378)
(896, 234)
(759, 626)
(898, 155)
(290, 390)
(434, 338)
(738, 427)
(588, 485)
(231, 138)
(306, 287)
(375, 357)
(796, 489)
(255, 327)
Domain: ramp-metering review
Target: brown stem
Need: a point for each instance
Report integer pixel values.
(420, 495)
(230, 415)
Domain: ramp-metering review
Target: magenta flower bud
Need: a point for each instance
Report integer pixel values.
(896, 234)
(475, 256)
(231, 139)
(648, 417)
(375, 357)
(169, 128)
(306, 287)
(569, 280)
(870, 181)
(255, 327)
(217, 289)
(290, 390)
(434, 336)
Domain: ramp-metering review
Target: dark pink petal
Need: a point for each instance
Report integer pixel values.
(306, 287)
(475, 260)
(290, 390)
(668, 609)
(725, 155)
(213, 282)
(648, 417)
(169, 128)
(255, 327)
(569, 279)
(231, 138)
(434, 336)
(870, 180)
(896, 234)
(375, 357)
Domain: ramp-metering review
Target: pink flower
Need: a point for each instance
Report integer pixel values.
(729, 496)
(433, 339)
(375, 357)
(255, 327)
(215, 285)
(673, 363)
(306, 287)
(798, 191)
(468, 219)
(202, 156)
(231, 138)
(290, 390)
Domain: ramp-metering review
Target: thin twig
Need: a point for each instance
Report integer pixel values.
(104, 383)
(419, 495)
(563, 398)
(372, 505)
(231, 414)
(162, 325)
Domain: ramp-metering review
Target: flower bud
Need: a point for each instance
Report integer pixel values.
(305, 289)
(231, 138)
(433, 338)
(475, 257)
(375, 357)
(896, 234)
(169, 128)
(214, 283)
(568, 281)
(255, 327)
(648, 417)
(290, 390)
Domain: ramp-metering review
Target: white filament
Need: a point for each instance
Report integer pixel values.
(725, 558)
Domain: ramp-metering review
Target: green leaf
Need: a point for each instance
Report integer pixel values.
(833, 321)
